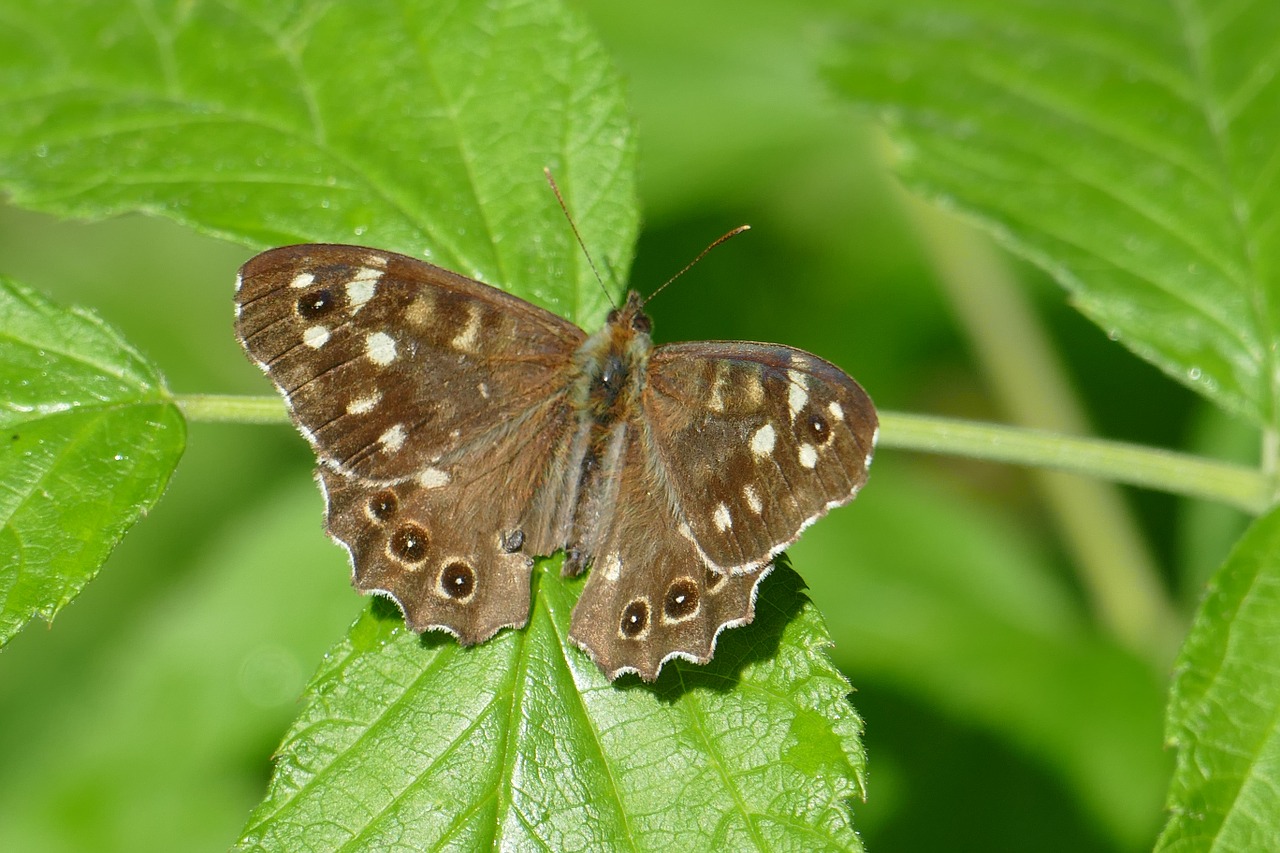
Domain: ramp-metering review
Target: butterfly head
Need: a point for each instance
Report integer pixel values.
(630, 319)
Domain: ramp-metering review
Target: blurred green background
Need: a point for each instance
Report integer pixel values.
(999, 716)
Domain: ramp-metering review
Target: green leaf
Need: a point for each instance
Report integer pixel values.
(88, 439)
(1128, 148)
(1224, 713)
(186, 692)
(520, 743)
(417, 127)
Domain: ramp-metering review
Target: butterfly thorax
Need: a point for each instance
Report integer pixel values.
(611, 364)
(610, 369)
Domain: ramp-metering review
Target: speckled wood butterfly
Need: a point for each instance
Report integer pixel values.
(462, 431)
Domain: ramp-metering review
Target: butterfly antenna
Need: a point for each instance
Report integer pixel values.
(564, 207)
(734, 233)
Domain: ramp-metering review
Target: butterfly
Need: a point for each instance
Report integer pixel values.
(460, 432)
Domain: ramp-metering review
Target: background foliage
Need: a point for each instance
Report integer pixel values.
(1004, 710)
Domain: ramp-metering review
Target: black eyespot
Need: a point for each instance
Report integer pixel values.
(383, 505)
(819, 429)
(512, 540)
(681, 600)
(316, 303)
(713, 580)
(409, 543)
(458, 580)
(635, 619)
(641, 323)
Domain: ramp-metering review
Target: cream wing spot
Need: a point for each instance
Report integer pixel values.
(302, 280)
(715, 401)
(364, 405)
(316, 336)
(393, 439)
(483, 388)
(419, 311)
(836, 410)
(362, 288)
(466, 340)
(753, 390)
(611, 567)
(808, 455)
(762, 441)
(752, 498)
(381, 348)
(797, 394)
(433, 478)
(722, 519)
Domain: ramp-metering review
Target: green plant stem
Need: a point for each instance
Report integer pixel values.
(230, 408)
(1117, 461)
(1133, 464)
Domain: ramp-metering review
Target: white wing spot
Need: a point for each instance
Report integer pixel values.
(364, 405)
(611, 567)
(239, 283)
(762, 440)
(302, 279)
(722, 518)
(362, 288)
(393, 439)
(808, 455)
(797, 396)
(376, 261)
(483, 389)
(433, 478)
(380, 348)
(316, 337)
(753, 499)
(836, 410)
(466, 339)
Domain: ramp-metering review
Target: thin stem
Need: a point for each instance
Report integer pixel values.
(1117, 461)
(1162, 470)
(228, 408)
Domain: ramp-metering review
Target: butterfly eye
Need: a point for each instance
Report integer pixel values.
(383, 505)
(316, 303)
(458, 580)
(635, 619)
(641, 323)
(612, 316)
(409, 543)
(681, 601)
(819, 429)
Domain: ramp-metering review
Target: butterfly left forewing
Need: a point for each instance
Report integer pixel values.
(757, 441)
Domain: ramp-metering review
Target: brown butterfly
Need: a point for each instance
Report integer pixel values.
(462, 431)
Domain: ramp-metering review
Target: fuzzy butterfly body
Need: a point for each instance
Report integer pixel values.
(461, 432)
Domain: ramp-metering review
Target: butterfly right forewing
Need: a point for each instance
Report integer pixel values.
(389, 364)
